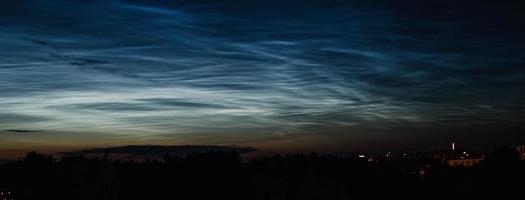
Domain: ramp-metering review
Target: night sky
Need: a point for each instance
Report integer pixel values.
(326, 76)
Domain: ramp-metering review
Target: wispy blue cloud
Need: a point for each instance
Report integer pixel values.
(144, 71)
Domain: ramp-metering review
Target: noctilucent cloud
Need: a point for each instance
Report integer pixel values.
(276, 75)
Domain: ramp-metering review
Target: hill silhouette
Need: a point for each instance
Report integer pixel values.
(159, 151)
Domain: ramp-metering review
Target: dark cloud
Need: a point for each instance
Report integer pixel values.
(182, 103)
(22, 131)
(107, 107)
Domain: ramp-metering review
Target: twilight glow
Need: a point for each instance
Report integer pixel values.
(275, 75)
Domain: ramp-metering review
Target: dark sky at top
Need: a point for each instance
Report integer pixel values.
(328, 76)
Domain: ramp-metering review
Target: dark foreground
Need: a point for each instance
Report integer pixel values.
(223, 175)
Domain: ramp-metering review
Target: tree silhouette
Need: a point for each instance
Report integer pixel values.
(224, 175)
